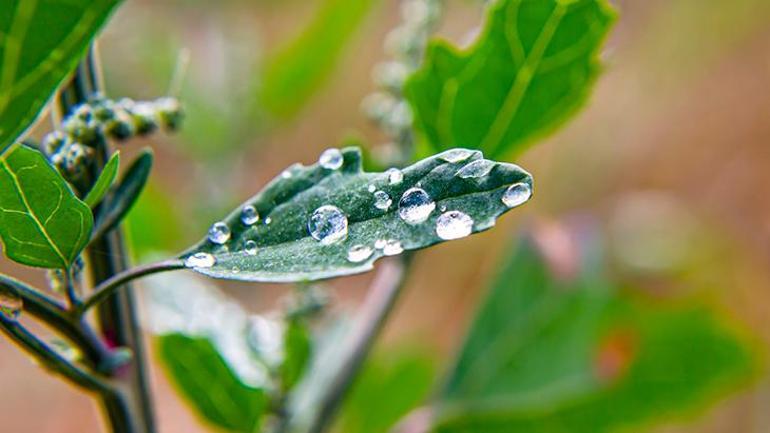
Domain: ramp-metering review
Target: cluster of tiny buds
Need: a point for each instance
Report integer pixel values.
(71, 148)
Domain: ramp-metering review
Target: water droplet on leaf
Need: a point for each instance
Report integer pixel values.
(392, 247)
(476, 169)
(395, 176)
(219, 233)
(382, 200)
(249, 215)
(331, 159)
(453, 225)
(456, 155)
(380, 243)
(359, 253)
(517, 194)
(250, 248)
(371, 188)
(328, 225)
(200, 260)
(415, 206)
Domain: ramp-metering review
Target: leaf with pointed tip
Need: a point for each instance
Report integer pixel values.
(41, 41)
(531, 69)
(104, 182)
(286, 251)
(126, 193)
(42, 222)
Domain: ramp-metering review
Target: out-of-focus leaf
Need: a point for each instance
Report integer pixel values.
(208, 383)
(549, 353)
(448, 196)
(104, 182)
(533, 66)
(42, 222)
(302, 66)
(298, 348)
(41, 41)
(126, 192)
(389, 386)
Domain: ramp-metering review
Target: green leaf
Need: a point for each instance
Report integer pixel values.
(301, 67)
(126, 193)
(286, 251)
(42, 222)
(298, 348)
(209, 384)
(550, 352)
(104, 182)
(41, 41)
(531, 69)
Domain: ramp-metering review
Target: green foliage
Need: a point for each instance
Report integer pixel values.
(299, 68)
(42, 222)
(104, 182)
(298, 348)
(41, 41)
(209, 384)
(286, 251)
(533, 66)
(552, 352)
(126, 192)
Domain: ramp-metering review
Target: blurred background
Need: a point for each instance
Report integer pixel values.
(669, 164)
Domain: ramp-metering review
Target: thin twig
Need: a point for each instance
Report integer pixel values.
(112, 284)
(379, 302)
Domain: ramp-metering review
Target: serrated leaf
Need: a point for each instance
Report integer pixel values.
(42, 222)
(104, 182)
(126, 193)
(533, 66)
(41, 41)
(550, 352)
(286, 251)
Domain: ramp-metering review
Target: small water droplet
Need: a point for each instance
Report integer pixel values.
(359, 253)
(392, 247)
(453, 225)
(395, 176)
(517, 194)
(219, 233)
(286, 174)
(268, 220)
(476, 169)
(371, 188)
(235, 270)
(200, 260)
(382, 200)
(442, 208)
(328, 225)
(250, 248)
(10, 306)
(380, 243)
(415, 206)
(249, 215)
(331, 159)
(456, 155)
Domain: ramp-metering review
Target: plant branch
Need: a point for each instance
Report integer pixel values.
(112, 284)
(379, 302)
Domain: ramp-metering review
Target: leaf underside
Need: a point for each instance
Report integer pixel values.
(41, 41)
(42, 222)
(533, 66)
(287, 252)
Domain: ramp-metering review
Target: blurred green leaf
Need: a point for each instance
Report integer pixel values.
(41, 41)
(207, 382)
(298, 69)
(42, 222)
(341, 201)
(533, 67)
(551, 353)
(298, 348)
(104, 182)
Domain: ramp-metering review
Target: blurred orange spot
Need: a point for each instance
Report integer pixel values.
(615, 354)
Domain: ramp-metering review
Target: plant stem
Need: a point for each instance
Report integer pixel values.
(380, 300)
(109, 286)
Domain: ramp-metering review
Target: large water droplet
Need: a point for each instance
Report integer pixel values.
(328, 225)
(219, 233)
(453, 225)
(456, 155)
(200, 260)
(331, 159)
(10, 306)
(476, 169)
(249, 215)
(250, 248)
(395, 176)
(517, 194)
(415, 206)
(382, 200)
(392, 247)
(359, 253)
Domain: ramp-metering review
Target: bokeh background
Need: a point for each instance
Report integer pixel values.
(670, 161)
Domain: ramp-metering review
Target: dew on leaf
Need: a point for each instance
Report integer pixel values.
(453, 225)
(219, 233)
(328, 225)
(395, 176)
(517, 194)
(476, 169)
(456, 155)
(382, 200)
(200, 260)
(331, 159)
(392, 247)
(250, 248)
(380, 243)
(359, 253)
(249, 215)
(415, 206)
(371, 188)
